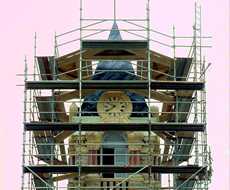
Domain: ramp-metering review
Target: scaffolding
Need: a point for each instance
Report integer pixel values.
(91, 126)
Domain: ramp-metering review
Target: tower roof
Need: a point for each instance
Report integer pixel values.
(115, 33)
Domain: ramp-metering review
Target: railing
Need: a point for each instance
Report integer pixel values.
(159, 71)
(186, 113)
(80, 153)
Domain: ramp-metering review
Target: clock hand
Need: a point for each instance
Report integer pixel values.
(111, 108)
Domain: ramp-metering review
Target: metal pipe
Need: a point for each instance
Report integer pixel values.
(80, 94)
(74, 30)
(24, 119)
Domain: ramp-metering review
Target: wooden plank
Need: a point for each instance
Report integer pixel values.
(44, 134)
(63, 152)
(116, 169)
(51, 162)
(167, 107)
(39, 134)
(160, 66)
(68, 95)
(95, 54)
(133, 125)
(183, 134)
(69, 55)
(62, 136)
(65, 176)
(115, 44)
(161, 135)
(68, 66)
(166, 115)
(185, 176)
(59, 107)
(115, 84)
(161, 59)
(184, 93)
(166, 151)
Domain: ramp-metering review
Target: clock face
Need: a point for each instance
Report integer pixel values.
(114, 106)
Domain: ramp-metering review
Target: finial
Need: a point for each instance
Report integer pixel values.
(73, 110)
(114, 10)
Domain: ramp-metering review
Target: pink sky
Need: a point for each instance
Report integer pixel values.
(20, 19)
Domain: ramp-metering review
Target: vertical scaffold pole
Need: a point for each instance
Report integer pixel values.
(80, 98)
(35, 55)
(55, 78)
(174, 54)
(35, 72)
(175, 79)
(149, 89)
(174, 69)
(195, 79)
(24, 121)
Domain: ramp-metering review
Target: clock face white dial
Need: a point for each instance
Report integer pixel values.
(114, 106)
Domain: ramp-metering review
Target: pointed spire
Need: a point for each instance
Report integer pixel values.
(115, 33)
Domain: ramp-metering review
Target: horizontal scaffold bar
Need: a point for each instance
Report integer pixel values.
(115, 84)
(116, 169)
(91, 126)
